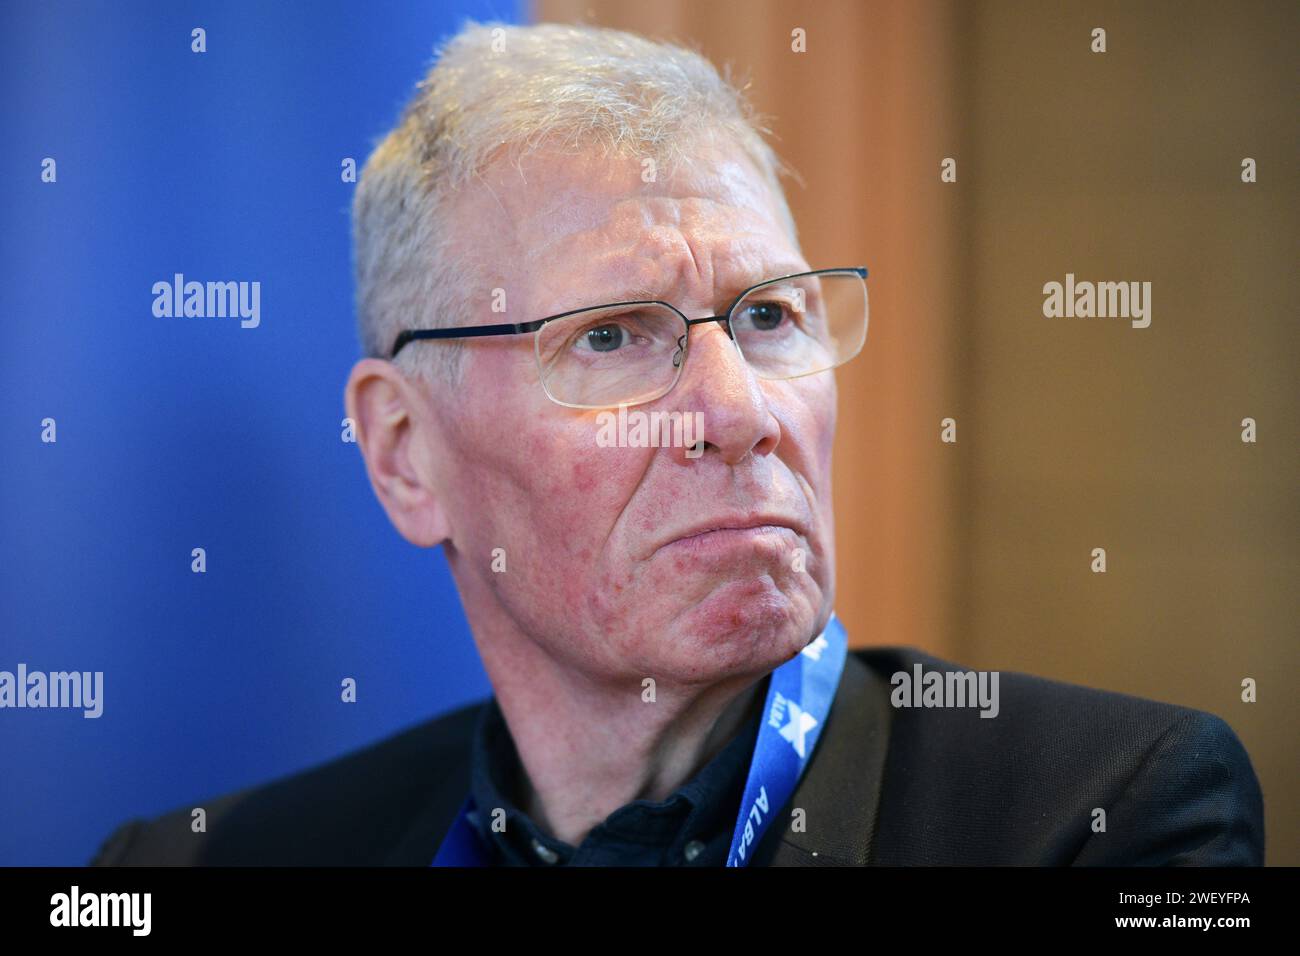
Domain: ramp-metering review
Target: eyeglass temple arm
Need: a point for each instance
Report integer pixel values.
(464, 332)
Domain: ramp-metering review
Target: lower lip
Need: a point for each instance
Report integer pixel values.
(731, 539)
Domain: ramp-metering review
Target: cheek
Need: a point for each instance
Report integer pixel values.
(550, 498)
(806, 409)
(598, 583)
(580, 492)
(808, 424)
(821, 406)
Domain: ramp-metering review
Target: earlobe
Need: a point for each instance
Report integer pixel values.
(393, 431)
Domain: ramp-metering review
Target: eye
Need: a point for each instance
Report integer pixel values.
(766, 316)
(605, 338)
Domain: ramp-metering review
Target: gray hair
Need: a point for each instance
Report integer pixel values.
(494, 88)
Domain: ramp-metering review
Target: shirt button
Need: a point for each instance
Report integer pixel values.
(692, 850)
(546, 854)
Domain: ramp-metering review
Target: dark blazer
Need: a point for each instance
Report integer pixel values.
(884, 786)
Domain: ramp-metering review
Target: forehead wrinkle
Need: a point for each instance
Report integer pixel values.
(578, 190)
(618, 274)
(571, 188)
(734, 264)
(594, 244)
(575, 210)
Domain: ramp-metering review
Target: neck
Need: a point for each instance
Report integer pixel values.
(589, 747)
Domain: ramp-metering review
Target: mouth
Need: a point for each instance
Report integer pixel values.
(728, 533)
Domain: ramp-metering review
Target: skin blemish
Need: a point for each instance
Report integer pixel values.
(584, 476)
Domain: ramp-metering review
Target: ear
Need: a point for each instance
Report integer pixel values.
(394, 428)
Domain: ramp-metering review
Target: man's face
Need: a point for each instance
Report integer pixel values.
(636, 561)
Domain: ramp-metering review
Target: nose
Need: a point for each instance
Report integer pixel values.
(719, 387)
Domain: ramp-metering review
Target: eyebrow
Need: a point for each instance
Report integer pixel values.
(773, 270)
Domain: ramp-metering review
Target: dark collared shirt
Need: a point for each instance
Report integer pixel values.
(692, 827)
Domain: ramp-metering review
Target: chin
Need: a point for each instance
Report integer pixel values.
(743, 628)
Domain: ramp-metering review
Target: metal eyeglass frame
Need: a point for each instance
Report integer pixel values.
(519, 328)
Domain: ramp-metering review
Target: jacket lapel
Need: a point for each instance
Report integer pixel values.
(438, 809)
(840, 791)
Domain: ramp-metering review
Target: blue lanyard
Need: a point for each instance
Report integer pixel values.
(798, 699)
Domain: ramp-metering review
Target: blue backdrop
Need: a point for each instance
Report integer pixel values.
(176, 433)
